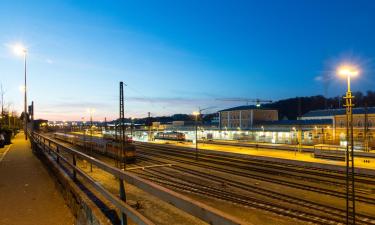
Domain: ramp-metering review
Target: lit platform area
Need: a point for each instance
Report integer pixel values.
(360, 162)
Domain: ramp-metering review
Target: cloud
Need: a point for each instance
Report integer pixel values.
(169, 100)
(49, 61)
(80, 105)
(318, 78)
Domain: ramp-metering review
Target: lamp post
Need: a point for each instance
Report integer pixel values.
(294, 133)
(196, 114)
(91, 111)
(21, 50)
(348, 72)
(131, 126)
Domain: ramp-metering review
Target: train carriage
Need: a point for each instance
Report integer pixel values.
(105, 147)
(174, 136)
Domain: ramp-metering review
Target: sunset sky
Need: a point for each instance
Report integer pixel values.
(176, 56)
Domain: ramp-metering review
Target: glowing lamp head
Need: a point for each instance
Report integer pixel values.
(22, 88)
(348, 71)
(91, 110)
(19, 49)
(195, 113)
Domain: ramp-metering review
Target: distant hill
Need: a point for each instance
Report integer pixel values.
(291, 108)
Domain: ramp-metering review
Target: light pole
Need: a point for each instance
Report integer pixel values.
(131, 127)
(91, 111)
(21, 50)
(348, 71)
(295, 134)
(196, 114)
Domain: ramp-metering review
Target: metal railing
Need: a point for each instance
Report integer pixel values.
(54, 149)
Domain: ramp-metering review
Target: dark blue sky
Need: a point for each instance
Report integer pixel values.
(177, 56)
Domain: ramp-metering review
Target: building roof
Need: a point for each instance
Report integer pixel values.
(297, 122)
(244, 107)
(333, 112)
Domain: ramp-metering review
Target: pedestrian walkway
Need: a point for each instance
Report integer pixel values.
(28, 195)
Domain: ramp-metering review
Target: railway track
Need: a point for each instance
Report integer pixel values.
(301, 209)
(188, 159)
(272, 166)
(317, 214)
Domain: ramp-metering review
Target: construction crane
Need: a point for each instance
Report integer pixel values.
(247, 100)
(201, 110)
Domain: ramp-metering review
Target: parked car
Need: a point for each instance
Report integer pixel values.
(2, 140)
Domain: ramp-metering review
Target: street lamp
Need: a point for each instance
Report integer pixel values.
(21, 50)
(91, 111)
(349, 71)
(196, 114)
(131, 126)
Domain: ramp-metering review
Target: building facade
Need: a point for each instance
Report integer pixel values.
(363, 125)
(244, 117)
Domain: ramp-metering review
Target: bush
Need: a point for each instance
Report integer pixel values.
(8, 133)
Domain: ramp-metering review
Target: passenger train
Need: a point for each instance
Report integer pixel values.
(174, 136)
(102, 146)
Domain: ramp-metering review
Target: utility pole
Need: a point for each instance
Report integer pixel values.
(149, 126)
(91, 150)
(122, 126)
(25, 96)
(121, 182)
(2, 93)
(299, 135)
(196, 137)
(196, 114)
(365, 141)
(350, 188)
(131, 127)
(32, 111)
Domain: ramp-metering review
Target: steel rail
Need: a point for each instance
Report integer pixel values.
(192, 207)
(124, 207)
(259, 177)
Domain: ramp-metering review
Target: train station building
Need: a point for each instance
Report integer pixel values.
(253, 124)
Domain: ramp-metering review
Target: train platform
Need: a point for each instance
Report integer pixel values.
(360, 162)
(28, 194)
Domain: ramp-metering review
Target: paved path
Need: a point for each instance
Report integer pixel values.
(28, 195)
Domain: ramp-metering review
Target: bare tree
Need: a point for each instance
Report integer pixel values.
(2, 93)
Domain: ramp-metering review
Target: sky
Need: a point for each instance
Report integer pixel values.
(179, 56)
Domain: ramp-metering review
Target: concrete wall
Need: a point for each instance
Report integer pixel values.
(84, 209)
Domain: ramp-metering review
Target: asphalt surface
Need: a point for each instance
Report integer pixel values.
(28, 195)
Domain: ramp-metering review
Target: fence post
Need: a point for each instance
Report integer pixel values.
(58, 154)
(74, 168)
(124, 220)
(44, 144)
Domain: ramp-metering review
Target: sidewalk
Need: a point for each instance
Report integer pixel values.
(28, 195)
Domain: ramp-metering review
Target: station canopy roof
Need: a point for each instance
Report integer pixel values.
(244, 107)
(296, 122)
(334, 112)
